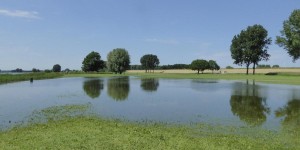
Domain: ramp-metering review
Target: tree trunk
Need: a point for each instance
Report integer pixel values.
(247, 69)
(198, 71)
(254, 69)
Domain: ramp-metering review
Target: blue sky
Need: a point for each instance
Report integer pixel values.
(41, 33)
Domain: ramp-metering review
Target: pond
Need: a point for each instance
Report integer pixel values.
(180, 101)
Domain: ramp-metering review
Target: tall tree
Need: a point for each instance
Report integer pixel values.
(290, 35)
(92, 62)
(199, 65)
(250, 46)
(213, 65)
(56, 68)
(149, 62)
(118, 60)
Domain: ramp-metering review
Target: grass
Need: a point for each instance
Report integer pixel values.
(8, 78)
(280, 78)
(96, 133)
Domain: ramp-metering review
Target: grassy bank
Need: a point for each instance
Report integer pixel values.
(7, 78)
(96, 133)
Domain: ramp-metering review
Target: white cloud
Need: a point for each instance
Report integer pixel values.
(20, 13)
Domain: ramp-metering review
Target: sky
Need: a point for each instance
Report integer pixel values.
(42, 33)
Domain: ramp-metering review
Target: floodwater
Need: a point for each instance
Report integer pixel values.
(182, 101)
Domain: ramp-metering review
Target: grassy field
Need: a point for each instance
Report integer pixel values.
(7, 78)
(97, 133)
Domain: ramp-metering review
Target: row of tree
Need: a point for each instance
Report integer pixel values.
(201, 65)
(118, 61)
(251, 45)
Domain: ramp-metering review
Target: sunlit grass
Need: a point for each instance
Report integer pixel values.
(96, 133)
(7, 78)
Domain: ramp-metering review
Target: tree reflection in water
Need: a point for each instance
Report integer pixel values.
(149, 84)
(118, 88)
(248, 105)
(93, 87)
(291, 114)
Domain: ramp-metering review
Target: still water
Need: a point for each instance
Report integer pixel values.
(184, 101)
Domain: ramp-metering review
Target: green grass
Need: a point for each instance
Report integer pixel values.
(7, 78)
(97, 133)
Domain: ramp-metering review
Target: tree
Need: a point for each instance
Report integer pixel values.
(92, 62)
(250, 46)
(199, 65)
(290, 35)
(35, 70)
(118, 60)
(56, 68)
(149, 62)
(213, 65)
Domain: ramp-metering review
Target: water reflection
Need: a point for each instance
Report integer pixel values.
(149, 84)
(248, 105)
(93, 87)
(291, 114)
(118, 88)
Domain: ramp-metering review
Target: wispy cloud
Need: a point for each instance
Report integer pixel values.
(20, 13)
(162, 41)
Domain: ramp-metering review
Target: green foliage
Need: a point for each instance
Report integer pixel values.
(35, 70)
(213, 65)
(229, 67)
(263, 66)
(175, 66)
(118, 60)
(250, 46)
(290, 35)
(199, 65)
(92, 62)
(56, 68)
(149, 62)
(275, 66)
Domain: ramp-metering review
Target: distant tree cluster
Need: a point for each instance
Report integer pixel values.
(36, 70)
(201, 65)
(149, 62)
(175, 66)
(261, 66)
(17, 70)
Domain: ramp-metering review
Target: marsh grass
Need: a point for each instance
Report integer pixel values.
(96, 133)
(68, 127)
(8, 78)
